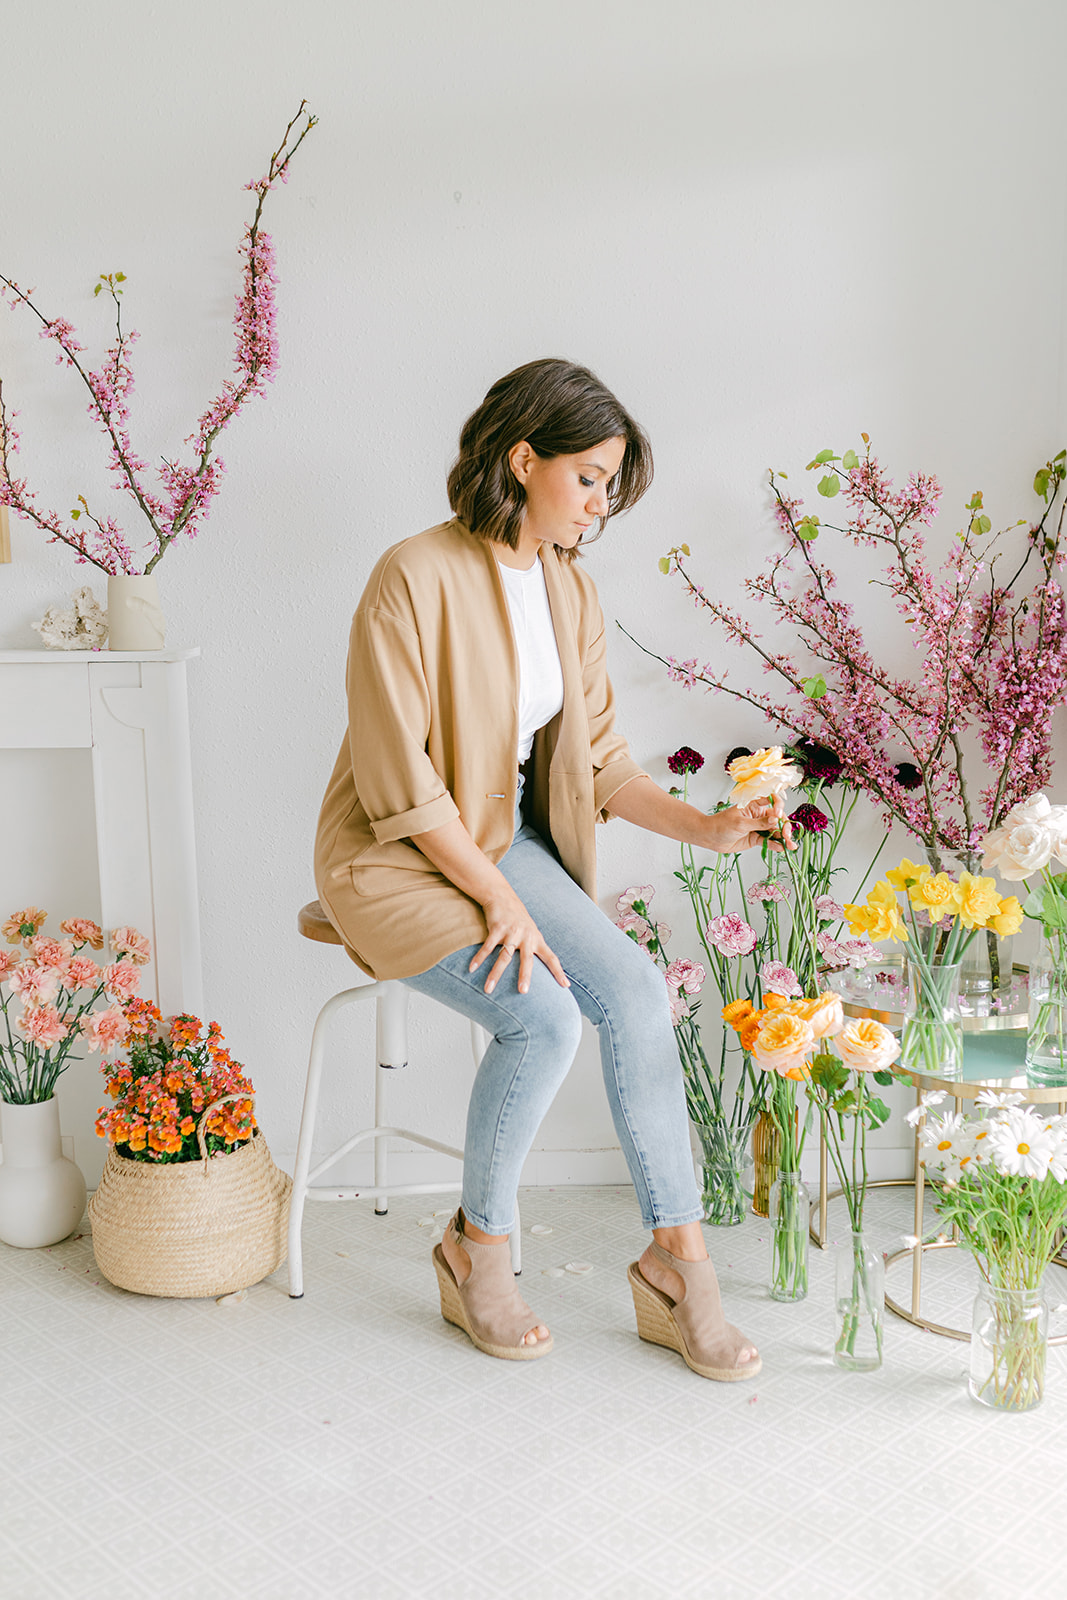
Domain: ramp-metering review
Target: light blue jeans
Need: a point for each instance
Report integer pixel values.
(534, 1037)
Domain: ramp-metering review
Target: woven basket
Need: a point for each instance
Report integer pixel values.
(191, 1228)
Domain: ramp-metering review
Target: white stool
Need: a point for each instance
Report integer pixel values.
(391, 998)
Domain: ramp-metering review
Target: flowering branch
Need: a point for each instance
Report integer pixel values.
(187, 491)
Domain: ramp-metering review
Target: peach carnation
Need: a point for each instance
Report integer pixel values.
(84, 931)
(36, 986)
(122, 980)
(21, 926)
(103, 1030)
(51, 952)
(42, 1025)
(80, 973)
(128, 942)
(9, 960)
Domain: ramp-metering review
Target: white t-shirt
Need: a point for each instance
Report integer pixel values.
(540, 672)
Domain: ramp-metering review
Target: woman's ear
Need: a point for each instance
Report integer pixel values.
(520, 459)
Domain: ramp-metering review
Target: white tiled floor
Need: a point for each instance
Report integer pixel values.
(352, 1445)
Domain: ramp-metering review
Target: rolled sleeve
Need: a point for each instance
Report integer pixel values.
(389, 713)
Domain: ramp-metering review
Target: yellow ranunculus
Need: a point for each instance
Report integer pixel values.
(1009, 919)
(906, 874)
(978, 900)
(937, 895)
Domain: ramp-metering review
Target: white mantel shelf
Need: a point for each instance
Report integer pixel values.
(131, 710)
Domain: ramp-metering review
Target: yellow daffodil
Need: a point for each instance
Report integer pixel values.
(1009, 919)
(978, 900)
(937, 895)
(906, 874)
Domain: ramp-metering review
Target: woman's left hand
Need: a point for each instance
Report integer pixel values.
(742, 827)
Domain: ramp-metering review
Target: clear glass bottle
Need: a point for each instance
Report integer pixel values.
(1046, 1041)
(859, 1301)
(1009, 1346)
(789, 1211)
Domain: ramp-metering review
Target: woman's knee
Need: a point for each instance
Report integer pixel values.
(549, 1017)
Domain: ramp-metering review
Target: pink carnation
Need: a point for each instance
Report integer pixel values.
(105, 1029)
(832, 951)
(640, 891)
(861, 952)
(128, 942)
(766, 891)
(776, 977)
(828, 908)
(9, 960)
(639, 926)
(42, 1025)
(122, 981)
(35, 985)
(731, 935)
(51, 952)
(80, 973)
(679, 1006)
(685, 975)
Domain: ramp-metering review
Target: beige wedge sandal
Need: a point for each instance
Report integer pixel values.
(487, 1306)
(694, 1325)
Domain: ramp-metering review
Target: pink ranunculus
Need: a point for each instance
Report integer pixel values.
(42, 1025)
(122, 980)
(687, 975)
(679, 1006)
(731, 935)
(776, 977)
(9, 960)
(36, 986)
(640, 891)
(80, 973)
(128, 942)
(103, 1030)
(51, 952)
(828, 908)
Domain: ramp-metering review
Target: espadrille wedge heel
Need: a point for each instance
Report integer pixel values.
(487, 1305)
(694, 1325)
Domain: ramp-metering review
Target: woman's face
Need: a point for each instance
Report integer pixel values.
(565, 494)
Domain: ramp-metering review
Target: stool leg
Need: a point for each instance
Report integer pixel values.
(392, 1034)
(304, 1145)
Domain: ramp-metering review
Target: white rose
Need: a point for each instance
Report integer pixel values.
(1036, 809)
(1018, 850)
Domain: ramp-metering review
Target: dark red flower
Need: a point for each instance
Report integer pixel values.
(908, 775)
(809, 819)
(820, 763)
(738, 750)
(685, 760)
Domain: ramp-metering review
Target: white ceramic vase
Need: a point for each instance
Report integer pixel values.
(134, 619)
(42, 1194)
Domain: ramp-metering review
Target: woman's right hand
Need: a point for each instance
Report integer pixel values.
(512, 928)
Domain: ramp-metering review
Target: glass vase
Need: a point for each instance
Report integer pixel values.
(725, 1173)
(931, 1040)
(788, 1213)
(1009, 1344)
(766, 1157)
(1046, 1041)
(987, 977)
(859, 1300)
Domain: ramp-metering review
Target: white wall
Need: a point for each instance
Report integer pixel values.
(766, 226)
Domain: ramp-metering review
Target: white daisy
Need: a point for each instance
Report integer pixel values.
(933, 1097)
(1020, 1145)
(990, 1097)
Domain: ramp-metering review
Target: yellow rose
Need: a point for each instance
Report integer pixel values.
(765, 772)
(783, 1042)
(937, 895)
(906, 874)
(866, 1046)
(978, 900)
(1009, 919)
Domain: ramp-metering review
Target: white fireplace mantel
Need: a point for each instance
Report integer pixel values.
(131, 710)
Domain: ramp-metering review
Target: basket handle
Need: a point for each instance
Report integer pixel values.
(200, 1139)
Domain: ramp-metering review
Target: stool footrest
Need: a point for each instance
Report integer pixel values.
(392, 1192)
(383, 1133)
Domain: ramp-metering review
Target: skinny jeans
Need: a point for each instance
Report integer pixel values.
(534, 1038)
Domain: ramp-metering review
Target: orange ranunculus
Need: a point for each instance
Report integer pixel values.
(749, 1030)
(776, 1002)
(736, 1012)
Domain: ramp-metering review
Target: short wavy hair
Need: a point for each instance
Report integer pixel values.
(559, 409)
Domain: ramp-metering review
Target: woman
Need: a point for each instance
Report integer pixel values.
(456, 850)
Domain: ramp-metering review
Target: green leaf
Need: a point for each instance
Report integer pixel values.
(664, 563)
(1041, 482)
(982, 524)
(866, 438)
(684, 548)
(98, 288)
(808, 528)
(830, 485)
(850, 460)
(75, 515)
(878, 1112)
(823, 457)
(120, 277)
(882, 1077)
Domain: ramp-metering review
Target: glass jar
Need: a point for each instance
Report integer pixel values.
(1046, 1041)
(789, 1212)
(1009, 1346)
(725, 1173)
(931, 1039)
(859, 1301)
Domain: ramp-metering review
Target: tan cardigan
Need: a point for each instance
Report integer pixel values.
(433, 734)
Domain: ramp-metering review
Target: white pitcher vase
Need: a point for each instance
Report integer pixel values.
(134, 620)
(42, 1194)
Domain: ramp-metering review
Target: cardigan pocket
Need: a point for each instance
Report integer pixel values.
(392, 868)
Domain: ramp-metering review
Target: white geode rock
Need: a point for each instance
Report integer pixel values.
(82, 627)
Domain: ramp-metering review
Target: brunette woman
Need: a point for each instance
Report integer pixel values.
(456, 848)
